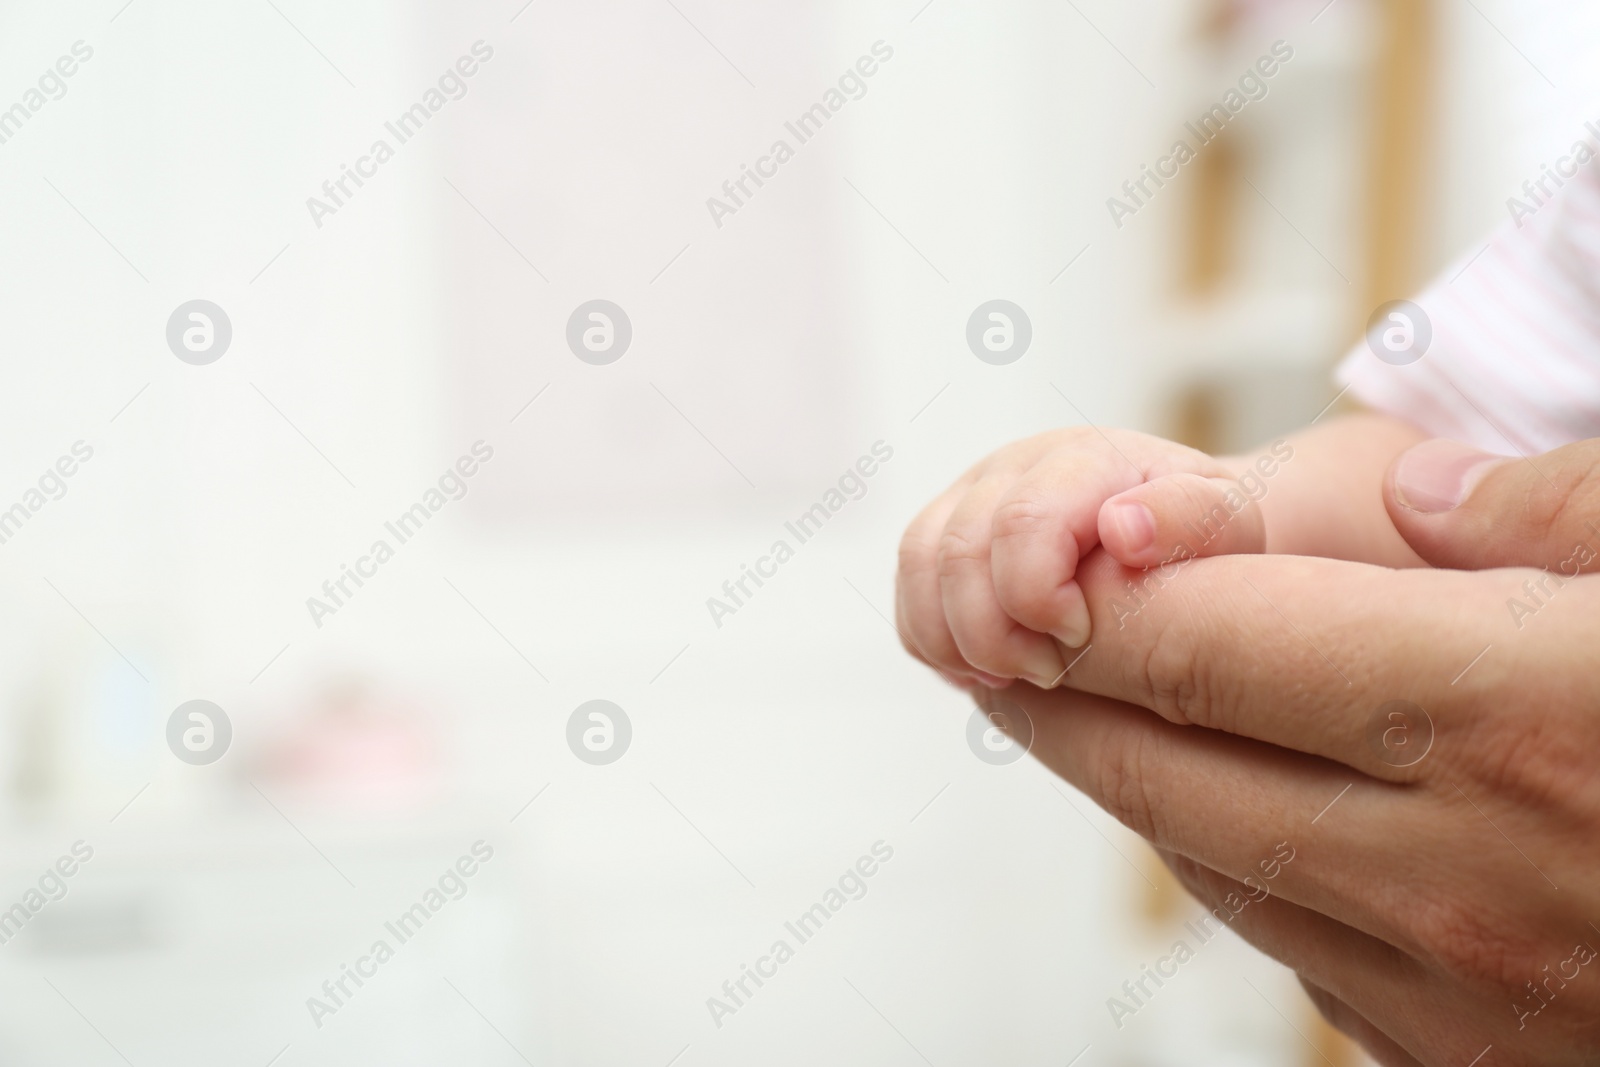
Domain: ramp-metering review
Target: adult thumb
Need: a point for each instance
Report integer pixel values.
(1468, 510)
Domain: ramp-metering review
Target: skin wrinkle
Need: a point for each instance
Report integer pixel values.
(1122, 785)
(1443, 914)
(1461, 943)
(1574, 492)
(955, 548)
(1532, 764)
(1171, 674)
(1018, 516)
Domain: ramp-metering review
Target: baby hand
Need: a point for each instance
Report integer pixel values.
(985, 591)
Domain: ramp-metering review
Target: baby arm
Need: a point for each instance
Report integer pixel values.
(1328, 501)
(1319, 492)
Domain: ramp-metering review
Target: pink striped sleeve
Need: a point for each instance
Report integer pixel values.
(1513, 363)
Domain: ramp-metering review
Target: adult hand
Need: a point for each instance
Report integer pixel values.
(1425, 741)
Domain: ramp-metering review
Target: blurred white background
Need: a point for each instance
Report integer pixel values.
(768, 353)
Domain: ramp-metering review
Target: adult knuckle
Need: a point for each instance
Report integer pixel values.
(1539, 762)
(1175, 679)
(1467, 944)
(1500, 755)
(1125, 788)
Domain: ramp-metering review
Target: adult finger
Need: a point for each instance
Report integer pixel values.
(1392, 1003)
(1181, 516)
(1369, 972)
(1299, 652)
(1461, 508)
(1232, 804)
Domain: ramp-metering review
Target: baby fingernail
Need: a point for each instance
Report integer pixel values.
(1136, 524)
(991, 680)
(1073, 628)
(1438, 475)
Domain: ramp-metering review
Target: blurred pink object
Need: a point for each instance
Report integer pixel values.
(1237, 19)
(359, 750)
